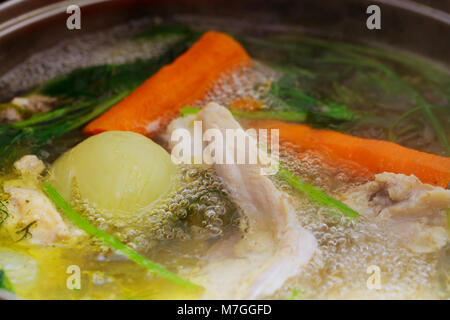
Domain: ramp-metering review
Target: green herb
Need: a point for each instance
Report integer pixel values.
(435, 76)
(286, 94)
(332, 113)
(42, 118)
(291, 104)
(26, 234)
(410, 92)
(316, 194)
(7, 105)
(391, 135)
(3, 212)
(189, 111)
(368, 80)
(436, 125)
(33, 134)
(296, 293)
(111, 241)
(5, 283)
(93, 82)
(355, 58)
(22, 112)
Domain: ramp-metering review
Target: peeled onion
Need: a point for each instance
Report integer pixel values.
(19, 267)
(115, 171)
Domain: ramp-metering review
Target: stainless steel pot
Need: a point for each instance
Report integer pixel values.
(27, 26)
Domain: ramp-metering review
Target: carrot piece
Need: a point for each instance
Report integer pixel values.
(375, 155)
(160, 98)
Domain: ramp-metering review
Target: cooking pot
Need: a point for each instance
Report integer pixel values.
(418, 27)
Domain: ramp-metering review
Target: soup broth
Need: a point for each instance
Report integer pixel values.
(369, 93)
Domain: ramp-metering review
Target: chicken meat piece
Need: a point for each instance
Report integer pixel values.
(32, 216)
(272, 245)
(29, 165)
(10, 115)
(414, 211)
(35, 103)
(19, 107)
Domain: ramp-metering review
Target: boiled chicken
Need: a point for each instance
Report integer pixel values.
(413, 211)
(271, 247)
(32, 216)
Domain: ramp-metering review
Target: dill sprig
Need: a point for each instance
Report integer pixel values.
(110, 240)
(3, 212)
(316, 194)
(5, 283)
(25, 231)
(363, 80)
(33, 134)
(285, 95)
(297, 293)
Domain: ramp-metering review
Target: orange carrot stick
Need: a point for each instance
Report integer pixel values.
(159, 99)
(375, 155)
